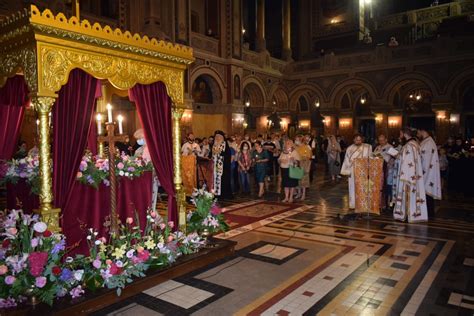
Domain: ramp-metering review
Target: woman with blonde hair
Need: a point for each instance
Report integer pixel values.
(334, 161)
(288, 158)
(305, 154)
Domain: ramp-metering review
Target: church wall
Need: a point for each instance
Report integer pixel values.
(204, 125)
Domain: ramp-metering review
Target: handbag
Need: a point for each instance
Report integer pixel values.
(296, 173)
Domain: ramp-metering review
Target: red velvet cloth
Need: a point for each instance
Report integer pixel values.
(88, 207)
(19, 196)
(154, 109)
(13, 98)
(72, 119)
(92, 139)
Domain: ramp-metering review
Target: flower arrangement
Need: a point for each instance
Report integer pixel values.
(32, 263)
(93, 170)
(30, 260)
(208, 216)
(26, 168)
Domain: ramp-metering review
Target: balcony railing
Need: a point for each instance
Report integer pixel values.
(205, 43)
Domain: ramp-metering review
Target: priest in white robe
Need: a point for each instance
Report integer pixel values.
(431, 170)
(410, 197)
(357, 150)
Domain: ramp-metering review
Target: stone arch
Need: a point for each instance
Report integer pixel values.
(459, 83)
(312, 93)
(355, 86)
(417, 79)
(280, 96)
(213, 79)
(254, 92)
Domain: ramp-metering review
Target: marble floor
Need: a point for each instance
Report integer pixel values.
(311, 259)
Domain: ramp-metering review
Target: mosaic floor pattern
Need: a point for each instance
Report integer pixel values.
(311, 259)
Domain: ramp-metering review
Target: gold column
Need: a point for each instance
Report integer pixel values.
(177, 114)
(261, 44)
(286, 52)
(50, 215)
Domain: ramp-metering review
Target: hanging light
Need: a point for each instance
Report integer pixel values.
(362, 100)
(316, 103)
(247, 103)
(418, 97)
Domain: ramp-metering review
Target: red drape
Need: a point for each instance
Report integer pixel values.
(92, 139)
(13, 97)
(72, 118)
(154, 109)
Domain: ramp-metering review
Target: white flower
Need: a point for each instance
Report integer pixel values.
(78, 274)
(89, 237)
(40, 227)
(69, 259)
(97, 242)
(119, 263)
(121, 173)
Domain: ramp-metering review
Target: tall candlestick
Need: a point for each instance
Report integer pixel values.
(120, 120)
(99, 124)
(109, 112)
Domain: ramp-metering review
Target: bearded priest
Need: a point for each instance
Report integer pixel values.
(431, 170)
(409, 195)
(357, 150)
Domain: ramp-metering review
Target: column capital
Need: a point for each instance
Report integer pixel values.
(43, 104)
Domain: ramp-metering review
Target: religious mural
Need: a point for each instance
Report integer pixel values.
(202, 91)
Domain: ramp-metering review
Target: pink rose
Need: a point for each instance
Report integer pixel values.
(3, 269)
(129, 220)
(114, 269)
(12, 230)
(120, 165)
(40, 282)
(143, 256)
(79, 174)
(9, 280)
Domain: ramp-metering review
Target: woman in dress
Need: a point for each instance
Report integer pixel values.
(260, 159)
(221, 158)
(289, 157)
(245, 162)
(333, 151)
(305, 154)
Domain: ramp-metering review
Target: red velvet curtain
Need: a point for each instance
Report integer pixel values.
(92, 139)
(13, 98)
(72, 119)
(154, 109)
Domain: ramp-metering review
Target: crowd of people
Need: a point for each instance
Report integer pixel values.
(415, 169)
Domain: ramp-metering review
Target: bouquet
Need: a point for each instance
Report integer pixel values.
(26, 168)
(208, 216)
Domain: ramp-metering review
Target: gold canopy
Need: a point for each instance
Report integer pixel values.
(45, 47)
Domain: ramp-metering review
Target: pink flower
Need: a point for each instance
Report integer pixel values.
(170, 238)
(108, 261)
(153, 214)
(103, 240)
(40, 282)
(115, 269)
(162, 226)
(3, 269)
(9, 280)
(12, 231)
(129, 220)
(215, 210)
(144, 255)
(79, 174)
(37, 261)
(96, 263)
(171, 224)
(120, 165)
(76, 292)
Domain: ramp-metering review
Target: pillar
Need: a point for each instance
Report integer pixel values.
(50, 215)
(286, 52)
(261, 43)
(177, 114)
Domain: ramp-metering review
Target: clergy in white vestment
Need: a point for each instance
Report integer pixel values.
(431, 170)
(410, 197)
(190, 147)
(354, 151)
(382, 150)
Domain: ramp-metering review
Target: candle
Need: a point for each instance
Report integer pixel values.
(120, 120)
(109, 112)
(99, 123)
